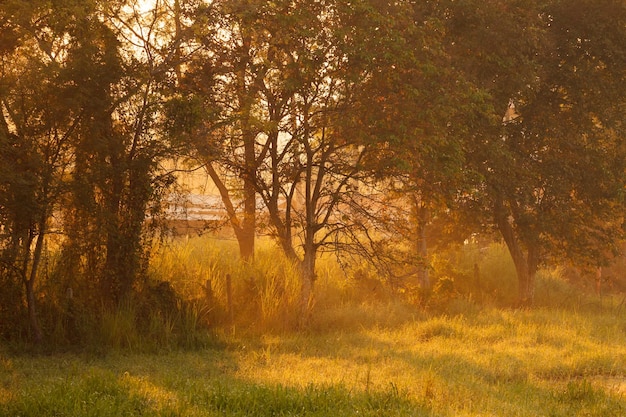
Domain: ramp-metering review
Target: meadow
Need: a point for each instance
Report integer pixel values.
(366, 351)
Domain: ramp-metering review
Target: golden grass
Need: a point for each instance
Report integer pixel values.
(493, 363)
(364, 353)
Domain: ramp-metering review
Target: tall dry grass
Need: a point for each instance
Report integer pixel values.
(265, 291)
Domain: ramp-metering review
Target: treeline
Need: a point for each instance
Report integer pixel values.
(374, 129)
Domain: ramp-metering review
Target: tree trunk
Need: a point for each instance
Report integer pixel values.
(527, 288)
(114, 272)
(526, 269)
(246, 96)
(422, 246)
(525, 264)
(244, 229)
(307, 276)
(599, 281)
(246, 237)
(30, 284)
(32, 312)
(111, 276)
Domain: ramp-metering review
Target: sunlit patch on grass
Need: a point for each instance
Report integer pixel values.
(6, 395)
(489, 363)
(7, 380)
(153, 396)
(616, 385)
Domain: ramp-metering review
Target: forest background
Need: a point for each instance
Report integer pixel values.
(385, 149)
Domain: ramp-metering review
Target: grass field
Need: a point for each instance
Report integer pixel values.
(368, 350)
(490, 362)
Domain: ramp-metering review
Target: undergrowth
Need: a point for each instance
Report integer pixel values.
(197, 289)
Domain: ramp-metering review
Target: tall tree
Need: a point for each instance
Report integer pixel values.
(38, 122)
(220, 107)
(82, 84)
(278, 80)
(125, 62)
(352, 75)
(550, 153)
(411, 110)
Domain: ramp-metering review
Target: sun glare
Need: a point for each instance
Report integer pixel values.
(146, 5)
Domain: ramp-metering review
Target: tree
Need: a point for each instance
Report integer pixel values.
(37, 125)
(419, 98)
(125, 64)
(81, 94)
(220, 107)
(549, 152)
(350, 76)
(271, 84)
(275, 85)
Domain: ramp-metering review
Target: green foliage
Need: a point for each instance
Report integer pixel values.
(548, 152)
(148, 325)
(486, 276)
(483, 274)
(77, 150)
(96, 392)
(105, 394)
(506, 113)
(174, 308)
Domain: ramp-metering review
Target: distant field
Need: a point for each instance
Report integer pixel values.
(485, 363)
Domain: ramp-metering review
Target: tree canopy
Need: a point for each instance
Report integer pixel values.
(355, 127)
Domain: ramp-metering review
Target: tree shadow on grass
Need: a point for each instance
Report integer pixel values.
(180, 384)
(394, 375)
(445, 383)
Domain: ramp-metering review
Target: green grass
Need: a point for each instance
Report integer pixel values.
(494, 362)
(368, 350)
